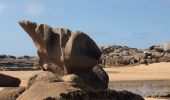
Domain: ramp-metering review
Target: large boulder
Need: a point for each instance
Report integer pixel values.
(11, 93)
(62, 51)
(9, 81)
(97, 78)
(44, 76)
(42, 90)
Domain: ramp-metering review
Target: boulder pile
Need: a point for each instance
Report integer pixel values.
(157, 53)
(120, 55)
(48, 86)
(9, 62)
(113, 56)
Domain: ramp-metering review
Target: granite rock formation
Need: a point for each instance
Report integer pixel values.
(62, 51)
(72, 57)
(113, 56)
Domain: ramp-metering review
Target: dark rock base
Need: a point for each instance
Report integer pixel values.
(97, 95)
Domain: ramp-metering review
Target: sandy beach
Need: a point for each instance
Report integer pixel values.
(157, 71)
(131, 78)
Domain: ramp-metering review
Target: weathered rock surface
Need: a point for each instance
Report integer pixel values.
(72, 88)
(62, 51)
(9, 62)
(98, 95)
(44, 76)
(9, 81)
(97, 78)
(42, 90)
(11, 93)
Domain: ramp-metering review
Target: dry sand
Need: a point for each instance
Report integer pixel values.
(23, 75)
(158, 72)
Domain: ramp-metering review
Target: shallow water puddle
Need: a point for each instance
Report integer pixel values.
(144, 88)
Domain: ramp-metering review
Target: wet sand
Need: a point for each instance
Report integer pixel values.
(153, 79)
(146, 80)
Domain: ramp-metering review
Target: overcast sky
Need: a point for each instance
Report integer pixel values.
(134, 23)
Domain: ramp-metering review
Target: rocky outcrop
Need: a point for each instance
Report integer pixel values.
(156, 53)
(120, 55)
(62, 51)
(9, 62)
(113, 56)
(9, 81)
(48, 86)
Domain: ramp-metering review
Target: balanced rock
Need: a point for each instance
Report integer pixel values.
(62, 51)
(9, 81)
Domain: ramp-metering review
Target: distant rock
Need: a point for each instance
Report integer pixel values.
(166, 47)
(120, 55)
(9, 62)
(3, 56)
